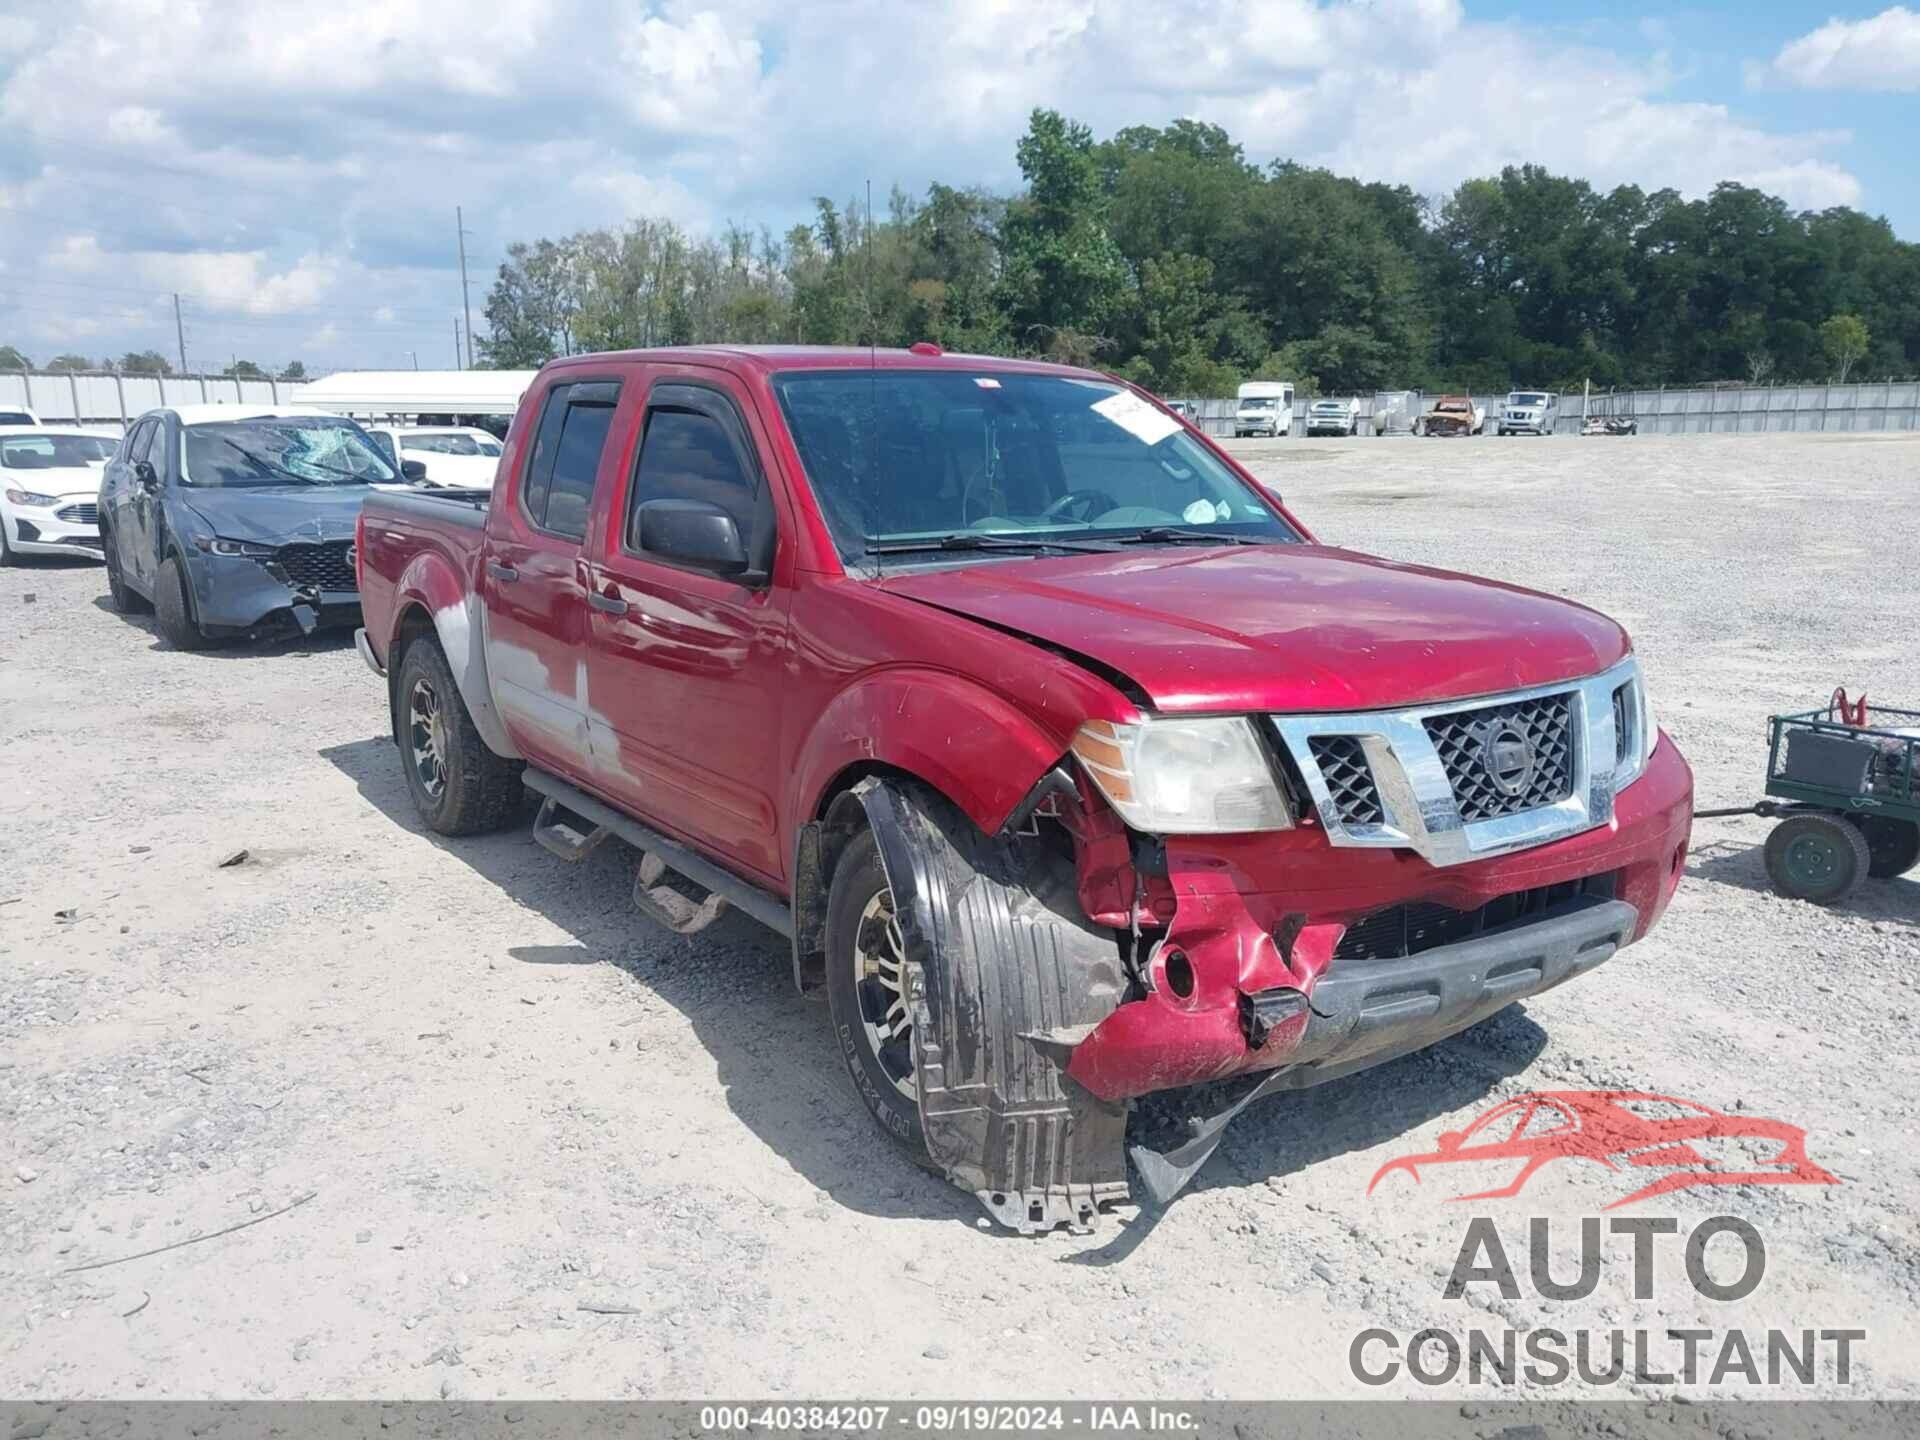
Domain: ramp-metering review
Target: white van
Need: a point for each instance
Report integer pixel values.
(1265, 408)
(1529, 412)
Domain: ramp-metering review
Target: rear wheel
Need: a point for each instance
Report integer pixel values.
(1820, 858)
(1893, 846)
(126, 599)
(866, 993)
(459, 786)
(173, 607)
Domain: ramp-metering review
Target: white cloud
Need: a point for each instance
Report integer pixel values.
(282, 159)
(236, 282)
(1881, 52)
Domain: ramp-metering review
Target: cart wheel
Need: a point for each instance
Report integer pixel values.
(1893, 846)
(1817, 857)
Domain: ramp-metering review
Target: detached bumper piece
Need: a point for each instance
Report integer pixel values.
(1366, 1012)
(1007, 982)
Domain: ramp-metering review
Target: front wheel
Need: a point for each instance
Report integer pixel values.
(7, 557)
(1893, 846)
(1817, 857)
(867, 969)
(173, 607)
(459, 786)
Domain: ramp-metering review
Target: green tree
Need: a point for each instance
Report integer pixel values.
(244, 370)
(70, 362)
(294, 370)
(144, 362)
(1844, 338)
(1064, 280)
(532, 306)
(12, 359)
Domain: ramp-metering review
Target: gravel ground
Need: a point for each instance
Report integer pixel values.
(494, 1096)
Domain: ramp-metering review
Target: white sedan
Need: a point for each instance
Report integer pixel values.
(455, 455)
(50, 490)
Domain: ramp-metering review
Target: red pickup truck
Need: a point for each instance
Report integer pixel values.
(1073, 767)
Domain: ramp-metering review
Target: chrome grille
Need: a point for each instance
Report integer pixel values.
(83, 514)
(1463, 738)
(1343, 765)
(318, 567)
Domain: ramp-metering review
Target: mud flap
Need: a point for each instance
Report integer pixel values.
(1010, 976)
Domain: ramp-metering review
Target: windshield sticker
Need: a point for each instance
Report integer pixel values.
(1137, 418)
(986, 384)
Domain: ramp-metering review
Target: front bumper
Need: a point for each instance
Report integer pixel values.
(43, 532)
(1255, 916)
(237, 594)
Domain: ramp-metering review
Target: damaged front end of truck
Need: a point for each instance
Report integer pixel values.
(1071, 964)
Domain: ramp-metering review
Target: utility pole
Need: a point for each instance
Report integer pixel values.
(180, 332)
(466, 305)
(414, 356)
(456, 343)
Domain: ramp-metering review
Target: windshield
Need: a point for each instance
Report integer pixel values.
(899, 456)
(1526, 397)
(281, 450)
(1329, 404)
(1259, 402)
(54, 452)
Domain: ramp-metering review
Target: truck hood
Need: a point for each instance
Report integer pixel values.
(1297, 628)
(279, 514)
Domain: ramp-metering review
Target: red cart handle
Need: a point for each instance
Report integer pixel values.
(1848, 712)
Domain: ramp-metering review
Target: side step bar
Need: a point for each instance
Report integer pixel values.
(678, 913)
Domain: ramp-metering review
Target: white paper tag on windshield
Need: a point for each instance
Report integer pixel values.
(1137, 417)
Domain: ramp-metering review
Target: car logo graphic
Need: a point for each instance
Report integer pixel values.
(1625, 1130)
(1506, 754)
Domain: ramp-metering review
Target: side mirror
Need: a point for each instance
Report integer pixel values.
(415, 470)
(693, 532)
(145, 476)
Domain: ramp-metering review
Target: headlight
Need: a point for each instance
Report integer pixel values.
(1634, 731)
(31, 497)
(237, 548)
(1184, 777)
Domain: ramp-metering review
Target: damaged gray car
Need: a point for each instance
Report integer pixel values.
(228, 522)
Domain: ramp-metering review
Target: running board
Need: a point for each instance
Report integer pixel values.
(727, 888)
(666, 905)
(560, 838)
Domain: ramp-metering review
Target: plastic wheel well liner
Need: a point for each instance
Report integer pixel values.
(1009, 976)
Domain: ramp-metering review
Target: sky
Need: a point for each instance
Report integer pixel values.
(291, 168)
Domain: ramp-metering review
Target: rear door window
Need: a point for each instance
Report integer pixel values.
(558, 491)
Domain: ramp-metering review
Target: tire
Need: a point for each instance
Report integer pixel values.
(173, 608)
(1893, 846)
(1817, 857)
(857, 938)
(7, 557)
(458, 785)
(126, 599)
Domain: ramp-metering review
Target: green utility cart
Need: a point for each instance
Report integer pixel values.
(1846, 784)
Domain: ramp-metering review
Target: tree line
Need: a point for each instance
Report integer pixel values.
(1162, 253)
(145, 362)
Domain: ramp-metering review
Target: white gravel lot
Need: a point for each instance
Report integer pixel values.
(506, 1095)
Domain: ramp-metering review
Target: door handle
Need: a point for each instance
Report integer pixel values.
(505, 574)
(611, 604)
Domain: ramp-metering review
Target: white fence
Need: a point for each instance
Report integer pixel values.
(103, 398)
(1874, 405)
